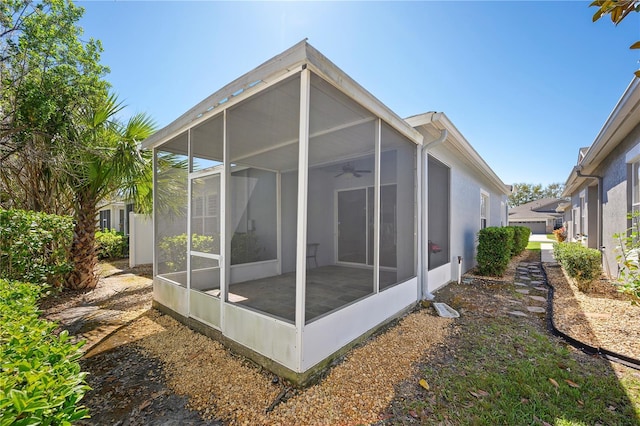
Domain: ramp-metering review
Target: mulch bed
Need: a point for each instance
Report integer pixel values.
(603, 317)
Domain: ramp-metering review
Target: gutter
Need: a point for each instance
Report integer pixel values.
(424, 285)
(600, 198)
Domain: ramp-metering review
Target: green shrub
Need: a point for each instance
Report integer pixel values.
(35, 246)
(494, 250)
(111, 244)
(579, 262)
(628, 255)
(245, 248)
(520, 239)
(174, 249)
(40, 378)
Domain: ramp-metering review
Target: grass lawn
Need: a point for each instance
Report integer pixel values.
(502, 376)
(533, 245)
(500, 368)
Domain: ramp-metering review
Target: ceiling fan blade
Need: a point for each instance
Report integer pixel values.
(339, 174)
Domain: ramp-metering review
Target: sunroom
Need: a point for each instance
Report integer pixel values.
(285, 213)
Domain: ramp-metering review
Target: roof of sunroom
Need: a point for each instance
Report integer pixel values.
(296, 57)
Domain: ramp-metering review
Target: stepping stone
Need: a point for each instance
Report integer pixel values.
(522, 291)
(535, 282)
(539, 298)
(467, 280)
(521, 284)
(541, 288)
(517, 313)
(536, 309)
(525, 278)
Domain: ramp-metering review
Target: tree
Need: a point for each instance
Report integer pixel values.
(62, 148)
(46, 74)
(526, 192)
(618, 10)
(107, 160)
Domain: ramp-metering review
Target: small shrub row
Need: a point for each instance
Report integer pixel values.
(111, 244)
(35, 246)
(40, 378)
(581, 263)
(497, 245)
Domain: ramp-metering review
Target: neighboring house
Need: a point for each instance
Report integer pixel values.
(541, 216)
(119, 215)
(114, 214)
(295, 213)
(604, 186)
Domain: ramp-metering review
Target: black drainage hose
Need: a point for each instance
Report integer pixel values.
(588, 349)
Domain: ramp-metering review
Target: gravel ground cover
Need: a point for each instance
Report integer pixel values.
(146, 368)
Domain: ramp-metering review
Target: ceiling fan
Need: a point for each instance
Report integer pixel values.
(349, 168)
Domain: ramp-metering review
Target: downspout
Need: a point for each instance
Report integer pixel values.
(424, 241)
(600, 199)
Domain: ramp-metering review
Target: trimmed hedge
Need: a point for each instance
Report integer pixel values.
(40, 378)
(495, 246)
(581, 263)
(35, 246)
(520, 239)
(111, 244)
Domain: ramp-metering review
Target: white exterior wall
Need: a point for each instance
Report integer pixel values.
(140, 239)
(465, 191)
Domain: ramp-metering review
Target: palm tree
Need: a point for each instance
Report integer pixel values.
(104, 159)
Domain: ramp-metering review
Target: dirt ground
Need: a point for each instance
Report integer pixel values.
(145, 368)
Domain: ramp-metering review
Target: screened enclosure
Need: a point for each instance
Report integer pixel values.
(283, 205)
(361, 203)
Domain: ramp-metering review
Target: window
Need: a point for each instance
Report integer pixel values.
(583, 214)
(105, 220)
(635, 189)
(484, 209)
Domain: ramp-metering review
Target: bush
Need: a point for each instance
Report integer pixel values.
(520, 239)
(495, 245)
(40, 378)
(111, 244)
(35, 246)
(628, 255)
(579, 262)
(174, 249)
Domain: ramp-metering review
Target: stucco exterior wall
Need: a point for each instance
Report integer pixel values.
(466, 188)
(616, 203)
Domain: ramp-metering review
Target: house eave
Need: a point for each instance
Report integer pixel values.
(297, 57)
(440, 121)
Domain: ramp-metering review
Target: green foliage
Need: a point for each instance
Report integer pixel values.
(111, 244)
(494, 250)
(628, 252)
(581, 263)
(174, 249)
(48, 71)
(245, 248)
(526, 192)
(40, 378)
(520, 239)
(34, 246)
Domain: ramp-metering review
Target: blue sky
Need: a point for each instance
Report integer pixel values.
(527, 83)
